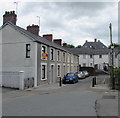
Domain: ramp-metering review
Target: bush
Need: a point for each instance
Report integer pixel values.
(116, 72)
(116, 75)
(117, 78)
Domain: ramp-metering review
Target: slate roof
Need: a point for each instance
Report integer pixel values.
(88, 51)
(94, 45)
(36, 38)
(91, 48)
(94, 48)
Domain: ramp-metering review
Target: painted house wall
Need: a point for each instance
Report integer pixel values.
(14, 58)
(14, 52)
(0, 50)
(52, 75)
(90, 62)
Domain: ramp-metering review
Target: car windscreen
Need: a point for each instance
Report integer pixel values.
(81, 72)
(70, 74)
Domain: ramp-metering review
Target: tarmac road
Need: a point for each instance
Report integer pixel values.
(70, 100)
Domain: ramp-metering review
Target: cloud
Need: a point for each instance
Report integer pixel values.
(74, 22)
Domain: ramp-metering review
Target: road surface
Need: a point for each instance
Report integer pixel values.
(71, 100)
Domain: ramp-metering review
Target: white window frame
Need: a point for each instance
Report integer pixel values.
(57, 70)
(45, 51)
(91, 56)
(72, 58)
(45, 71)
(68, 68)
(64, 65)
(53, 54)
(58, 56)
(68, 57)
(100, 56)
(64, 56)
(28, 51)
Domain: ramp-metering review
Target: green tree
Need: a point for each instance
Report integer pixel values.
(70, 46)
(79, 46)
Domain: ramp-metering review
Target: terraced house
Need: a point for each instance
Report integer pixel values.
(38, 57)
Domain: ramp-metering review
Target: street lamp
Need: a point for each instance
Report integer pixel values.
(112, 58)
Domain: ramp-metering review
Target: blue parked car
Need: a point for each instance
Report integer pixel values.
(70, 78)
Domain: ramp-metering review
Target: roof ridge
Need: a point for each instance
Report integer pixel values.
(36, 38)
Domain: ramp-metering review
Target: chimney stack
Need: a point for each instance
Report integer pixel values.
(95, 40)
(58, 41)
(48, 37)
(33, 29)
(10, 16)
(64, 44)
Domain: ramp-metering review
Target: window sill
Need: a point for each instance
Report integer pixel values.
(28, 58)
(44, 79)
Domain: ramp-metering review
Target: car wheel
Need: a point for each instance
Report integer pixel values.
(73, 81)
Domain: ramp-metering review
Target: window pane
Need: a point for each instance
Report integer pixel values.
(27, 50)
(58, 70)
(100, 56)
(90, 56)
(58, 56)
(43, 71)
(43, 49)
(51, 54)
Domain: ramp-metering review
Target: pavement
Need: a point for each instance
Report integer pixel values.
(107, 105)
(41, 89)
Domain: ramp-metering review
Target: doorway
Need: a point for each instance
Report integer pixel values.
(52, 75)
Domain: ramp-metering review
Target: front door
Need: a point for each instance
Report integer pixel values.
(52, 74)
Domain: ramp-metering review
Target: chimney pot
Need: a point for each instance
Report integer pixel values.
(58, 41)
(48, 37)
(10, 16)
(64, 44)
(33, 29)
(95, 40)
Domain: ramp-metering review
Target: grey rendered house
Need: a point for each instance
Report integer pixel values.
(39, 57)
(93, 54)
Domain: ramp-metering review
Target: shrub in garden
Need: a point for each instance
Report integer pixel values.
(117, 77)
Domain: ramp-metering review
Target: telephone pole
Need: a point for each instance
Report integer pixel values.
(112, 58)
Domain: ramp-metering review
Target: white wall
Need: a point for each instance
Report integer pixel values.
(101, 61)
(93, 61)
(0, 50)
(14, 52)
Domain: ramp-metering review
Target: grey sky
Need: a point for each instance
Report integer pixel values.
(73, 22)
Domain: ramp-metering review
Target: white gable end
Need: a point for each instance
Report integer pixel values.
(11, 35)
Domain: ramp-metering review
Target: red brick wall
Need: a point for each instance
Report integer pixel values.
(10, 16)
(48, 37)
(33, 29)
(58, 41)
